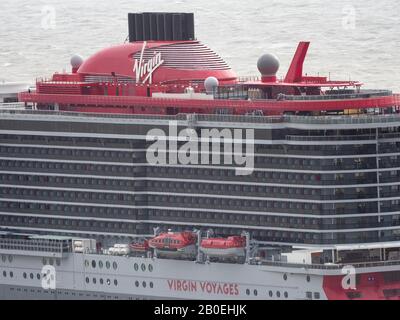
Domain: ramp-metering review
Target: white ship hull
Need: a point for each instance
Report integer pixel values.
(94, 276)
(169, 279)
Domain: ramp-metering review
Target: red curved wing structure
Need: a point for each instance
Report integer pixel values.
(180, 61)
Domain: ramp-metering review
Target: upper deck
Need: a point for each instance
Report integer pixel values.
(162, 74)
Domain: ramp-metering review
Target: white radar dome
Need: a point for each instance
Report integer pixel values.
(268, 65)
(76, 61)
(210, 84)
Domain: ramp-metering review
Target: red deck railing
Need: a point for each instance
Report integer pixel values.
(238, 106)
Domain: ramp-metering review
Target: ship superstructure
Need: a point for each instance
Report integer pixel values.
(324, 177)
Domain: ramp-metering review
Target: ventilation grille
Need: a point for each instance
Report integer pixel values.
(106, 78)
(188, 56)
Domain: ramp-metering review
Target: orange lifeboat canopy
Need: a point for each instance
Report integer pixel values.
(173, 240)
(140, 245)
(224, 243)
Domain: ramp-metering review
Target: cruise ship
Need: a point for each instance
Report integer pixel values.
(311, 211)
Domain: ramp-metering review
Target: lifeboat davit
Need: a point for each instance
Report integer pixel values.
(140, 245)
(233, 246)
(175, 244)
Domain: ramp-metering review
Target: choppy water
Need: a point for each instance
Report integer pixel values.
(350, 39)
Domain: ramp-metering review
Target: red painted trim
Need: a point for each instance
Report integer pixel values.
(295, 72)
(135, 104)
(371, 286)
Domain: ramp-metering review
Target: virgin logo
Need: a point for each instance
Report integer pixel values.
(144, 68)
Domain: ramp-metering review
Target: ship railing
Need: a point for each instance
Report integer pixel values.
(181, 116)
(330, 138)
(12, 105)
(338, 266)
(364, 94)
(239, 118)
(35, 246)
(248, 79)
(324, 120)
(360, 119)
(394, 135)
(96, 115)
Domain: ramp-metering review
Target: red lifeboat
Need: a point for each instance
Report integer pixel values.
(175, 243)
(233, 246)
(140, 245)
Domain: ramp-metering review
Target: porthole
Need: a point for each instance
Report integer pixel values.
(136, 283)
(144, 284)
(31, 275)
(248, 292)
(100, 264)
(10, 258)
(136, 267)
(87, 279)
(108, 281)
(11, 274)
(285, 277)
(93, 264)
(270, 293)
(151, 285)
(94, 280)
(278, 294)
(115, 282)
(143, 267)
(24, 275)
(86, 263)
(4, 274)
(115, 265)
(286, 295)
(101, 281)
(150, 267)
(38, 276)
(255, 292)
(108, 265)
(308, 278)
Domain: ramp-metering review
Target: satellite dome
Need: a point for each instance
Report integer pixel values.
(268, 65)
(76, 61)
(210, 84)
